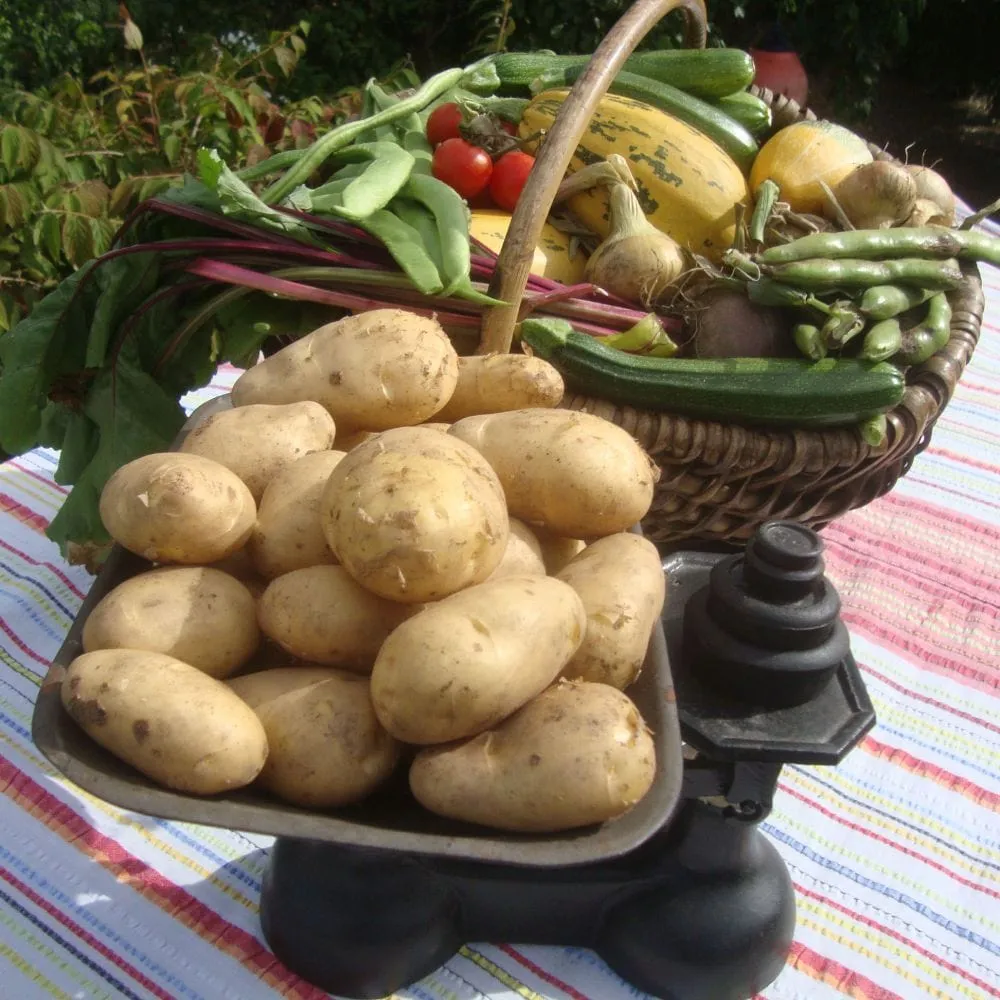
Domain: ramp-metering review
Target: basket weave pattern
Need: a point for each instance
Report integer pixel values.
(718, 481)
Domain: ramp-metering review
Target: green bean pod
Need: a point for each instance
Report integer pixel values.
(808, 340)
(936, 242)
(404, 244)
(843, 323)
(924, 341)
(379, 183)
(821, 275)
(765, 292)
(882, 340)
(452, 217)
(885, 301)
(875, 430)
(767, 198)
(343, 135)
(417, 215)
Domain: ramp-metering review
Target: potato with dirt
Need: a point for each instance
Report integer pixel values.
(326, 747)
(574, 473)
(372, 371)
(577, 754)
(414, 515)
(288, 534)
(620, 580)
(172, 507)
(202, 616)
(493, 383)
(321, 614)
(464, 663)
(178, 726)
(259, 441)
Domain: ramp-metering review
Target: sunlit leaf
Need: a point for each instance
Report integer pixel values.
(133, 36)
(77, 239)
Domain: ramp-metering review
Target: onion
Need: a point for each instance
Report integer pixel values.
(877, 195)
(636, 261)
(931, 186)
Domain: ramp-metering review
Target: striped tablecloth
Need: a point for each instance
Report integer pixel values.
(895, 854)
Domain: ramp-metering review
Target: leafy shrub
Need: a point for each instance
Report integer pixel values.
(74, 162)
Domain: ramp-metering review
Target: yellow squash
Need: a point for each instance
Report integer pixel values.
(801, 155)
(688, 186)
(552, 257)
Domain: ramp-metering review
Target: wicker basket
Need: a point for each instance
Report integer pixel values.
(720, 481)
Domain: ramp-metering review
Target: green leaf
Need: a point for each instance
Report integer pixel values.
(48, 342)
(286, 59)
(77, 447)
(47, 235)
(124, 283)
(133, 36)
(77, 240)
(239, 201)
(133, 416)
(55, 421)
(18, 148)
(172, 147)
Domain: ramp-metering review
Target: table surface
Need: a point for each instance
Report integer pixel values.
(894, 854)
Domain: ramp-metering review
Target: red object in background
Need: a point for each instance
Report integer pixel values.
(781, 72)
(443, 123)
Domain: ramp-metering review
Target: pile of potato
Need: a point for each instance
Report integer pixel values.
(384, 555)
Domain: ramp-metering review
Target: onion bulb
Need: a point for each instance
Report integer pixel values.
(877, 195)
(636, 261)
(932, 187)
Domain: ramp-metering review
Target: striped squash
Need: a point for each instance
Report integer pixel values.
(552, 254)
(688, 186)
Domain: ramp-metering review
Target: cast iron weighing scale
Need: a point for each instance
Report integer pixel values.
(684, 896)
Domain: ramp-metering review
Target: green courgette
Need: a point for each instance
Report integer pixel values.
(768, 391)
(749, 110)
(730, 135)
(708, 73)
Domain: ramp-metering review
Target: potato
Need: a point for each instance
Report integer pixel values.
(492, 383)
(577, 474)
(620, 581)
(437, 426)
(577, 754)
(464, 663)
(556, 550)
(202, 616)
(257, 442)
(374, 370)
(321, 614)
(173, 507)
(175, 724)
(288, 534)
(349, 438)
(240, 566)
(522, 555)
(326, 748)
(414, 515)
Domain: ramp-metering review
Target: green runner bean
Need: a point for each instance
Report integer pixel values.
(819, 274)
(885, 301)
(882, 340)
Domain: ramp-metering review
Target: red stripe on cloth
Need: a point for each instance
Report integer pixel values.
(953, 456)
(910, 944)
(541, 973)
(921, 569)
(925, 769)
(49, 566)
(826, 970)
(40, 476)
(83, 935)
(21, 646)
(149, 883)
(979, 387)
(926, 700)
(894, 844)
(8, 505)
(965, 525)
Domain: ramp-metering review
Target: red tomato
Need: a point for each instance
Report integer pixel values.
(510, 173)
(443, 122)
(464, 167)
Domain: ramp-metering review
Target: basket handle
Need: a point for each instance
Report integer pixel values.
(514, 262)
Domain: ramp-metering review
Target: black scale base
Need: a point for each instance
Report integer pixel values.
(704, 910)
